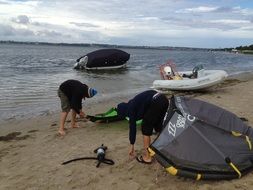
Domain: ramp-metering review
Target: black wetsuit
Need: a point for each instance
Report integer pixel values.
(75, 91)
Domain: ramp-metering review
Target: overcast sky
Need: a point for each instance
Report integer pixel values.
(187, 23)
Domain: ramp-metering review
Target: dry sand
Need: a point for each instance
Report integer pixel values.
(31, 153)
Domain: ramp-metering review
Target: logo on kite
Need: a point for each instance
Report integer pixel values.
(180, 124)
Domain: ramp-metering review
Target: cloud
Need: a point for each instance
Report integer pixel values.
(215, 9)
(9, 31)
(226, 9)
(88, 25)
(50, 34)
(6, 30)
(201, 9)
(3, 3)
(220, 24)
(21, 19)
(154, 22)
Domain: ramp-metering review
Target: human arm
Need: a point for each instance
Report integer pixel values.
(132, 136)
(132, 130)
(131, 152)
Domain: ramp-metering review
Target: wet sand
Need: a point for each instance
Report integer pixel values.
(31, 152)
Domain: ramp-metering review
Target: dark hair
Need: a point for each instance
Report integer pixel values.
(122, 109)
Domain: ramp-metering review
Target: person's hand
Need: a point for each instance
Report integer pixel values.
(131, 152)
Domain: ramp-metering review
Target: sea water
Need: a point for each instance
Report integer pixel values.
(31, 74)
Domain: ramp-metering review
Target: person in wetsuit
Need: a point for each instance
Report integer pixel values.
(150, 106)
(71, 93)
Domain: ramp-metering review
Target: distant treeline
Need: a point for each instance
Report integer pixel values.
(106, 45)
(241, 48)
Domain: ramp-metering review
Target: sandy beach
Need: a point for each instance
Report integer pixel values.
(31, 152)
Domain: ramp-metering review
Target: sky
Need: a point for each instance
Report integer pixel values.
(176, 23)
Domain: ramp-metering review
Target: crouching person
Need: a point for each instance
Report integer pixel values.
(71, 93)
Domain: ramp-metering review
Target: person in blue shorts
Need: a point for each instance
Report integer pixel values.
(71, 93)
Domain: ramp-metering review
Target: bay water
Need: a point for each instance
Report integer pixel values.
(30, 74)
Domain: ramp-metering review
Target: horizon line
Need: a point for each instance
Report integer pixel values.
(106, 45)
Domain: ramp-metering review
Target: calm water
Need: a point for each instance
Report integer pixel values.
(30, 74)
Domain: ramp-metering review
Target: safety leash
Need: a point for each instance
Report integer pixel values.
(100, 151)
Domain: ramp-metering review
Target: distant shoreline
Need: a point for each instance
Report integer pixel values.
(107, 46)
(246, 51)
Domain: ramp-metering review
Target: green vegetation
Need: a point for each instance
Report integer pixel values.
(242, 48)
(245, 49)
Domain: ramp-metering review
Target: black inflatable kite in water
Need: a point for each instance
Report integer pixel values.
(203, 141)
(103, 59)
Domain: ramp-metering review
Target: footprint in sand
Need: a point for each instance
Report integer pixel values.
(33, 131)
(13, 136)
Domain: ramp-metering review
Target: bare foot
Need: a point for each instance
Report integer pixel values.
(147, 159)
(61, 132)
(75, 126)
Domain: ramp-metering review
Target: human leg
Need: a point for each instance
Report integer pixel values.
(161, 109)
(153, 119)
(145, 158)
(62, 122)
(65, 106)
(147, 129)
(146, 144)
(73, 119)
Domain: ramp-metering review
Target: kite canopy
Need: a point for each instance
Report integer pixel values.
(203, 141)
(103, 59)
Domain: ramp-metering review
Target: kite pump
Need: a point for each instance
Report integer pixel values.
(100, 151)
